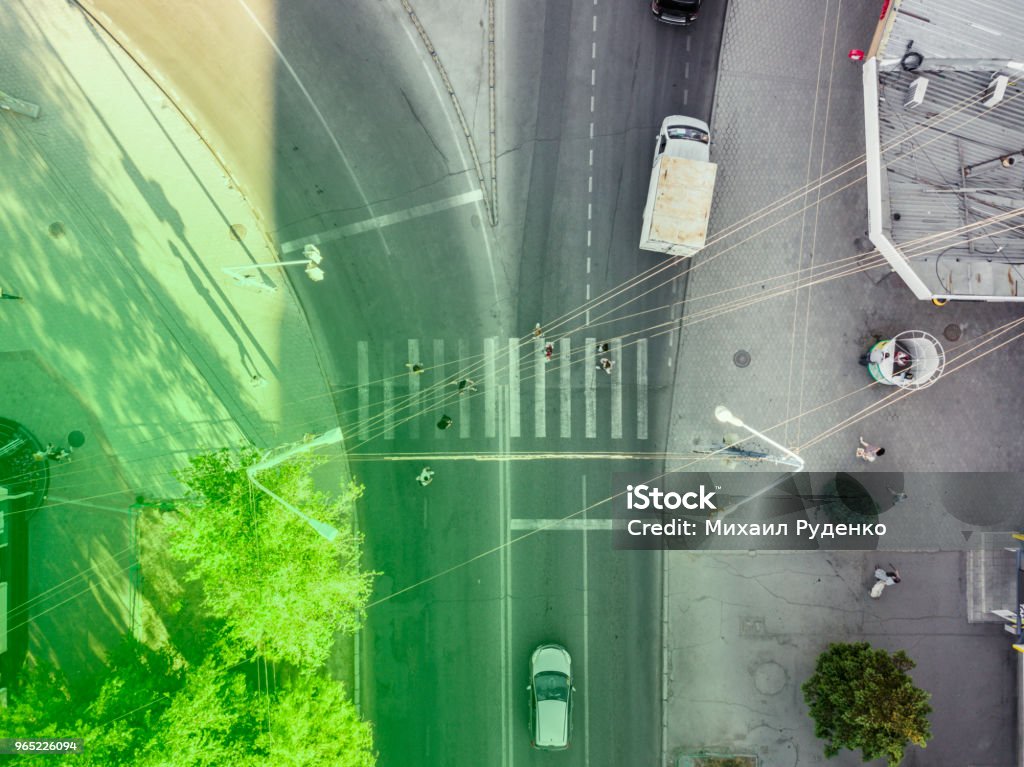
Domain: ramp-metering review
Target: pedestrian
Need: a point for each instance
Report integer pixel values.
(9, 296)
(445, 422)
(602, 348)
(874, 356)
(426, 476)
(884, 578)
(415, 368)
(466, 384)
(257, 381)
(869, 452)
(549, 352)
(55, 453)
(606, 365)
(537, 330)
(898, 496)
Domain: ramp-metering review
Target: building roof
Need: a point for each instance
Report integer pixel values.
(949, 210)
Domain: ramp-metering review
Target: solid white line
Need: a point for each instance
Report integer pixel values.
(389, 394)
(586, 627)
(464, 412)
(363, 380)
(540, 426)
(513, 387)
(439, 393)
(490, 385)
(616, 352)
(377, 222)
(641, 388)
(505, 606)
(565, 387)
(590, 387)
(574, 523)
(414, 387)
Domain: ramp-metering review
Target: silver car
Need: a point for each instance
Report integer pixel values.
(551, 694)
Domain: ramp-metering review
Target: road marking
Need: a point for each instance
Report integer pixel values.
(588, 292)
(593, 77)
(590, 185)
(573, 523)
(513, 387)
(438, 365)
(588, 245)
(591, 103)
(490, 385)
(387, 219)
(686, 96)
(686, 70)
(689, 38)
(464, 413)
(389, 393)
(590, 211)
(590, 387)
(591, 157)
(591, 130)
(588, 264)
(586, 627)
(565, 387)
(363, 379)
(593, 50)
(414, 388)
(641, 388)
(593, 27)
(540, 426)
(617, 389)
(504, 590)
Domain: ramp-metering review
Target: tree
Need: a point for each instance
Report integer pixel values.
(314, 723)
(281, 590)
(860, 697)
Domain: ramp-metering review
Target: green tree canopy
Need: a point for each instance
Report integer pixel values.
(860, 697)
(281, 590)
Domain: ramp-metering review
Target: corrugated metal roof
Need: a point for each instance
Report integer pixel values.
(958, 29)
(953, 168)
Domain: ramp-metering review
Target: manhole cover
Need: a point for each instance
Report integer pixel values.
(56, 229)
(953, 332)
(741, 358)
(770, 678)
(238, 232)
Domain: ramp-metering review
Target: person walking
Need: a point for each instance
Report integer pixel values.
(445, 422)
(549, 352)
(465, 385)
(884, 578)
(603, 348)
(9, 296)
(426, 476)
(869, 452)
(415, 368)
(538, 331)
(606, 365)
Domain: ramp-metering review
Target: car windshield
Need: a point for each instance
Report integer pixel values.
(550, 685)
(686, 132)
(682, 6)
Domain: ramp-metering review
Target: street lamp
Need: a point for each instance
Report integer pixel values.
(312, 261)
(725, 415)
(328, 438)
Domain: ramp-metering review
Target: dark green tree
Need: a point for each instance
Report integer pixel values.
(281, 590)
(860, 697)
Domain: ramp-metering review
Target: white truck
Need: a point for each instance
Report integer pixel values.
(682, 184)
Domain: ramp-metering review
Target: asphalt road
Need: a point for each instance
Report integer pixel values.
(362, 156)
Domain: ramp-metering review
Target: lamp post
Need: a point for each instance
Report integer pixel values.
(328, 438)
(725, 415)
(312, 261)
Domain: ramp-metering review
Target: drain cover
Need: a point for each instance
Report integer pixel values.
(741, 358)
(952, 332)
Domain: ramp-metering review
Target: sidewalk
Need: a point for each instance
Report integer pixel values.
(744, 630)
(117, 224)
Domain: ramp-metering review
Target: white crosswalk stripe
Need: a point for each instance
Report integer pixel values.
(394, 402)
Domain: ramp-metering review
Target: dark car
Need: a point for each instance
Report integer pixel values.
(680, 12)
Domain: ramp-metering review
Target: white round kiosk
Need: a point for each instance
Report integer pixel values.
(912, 359)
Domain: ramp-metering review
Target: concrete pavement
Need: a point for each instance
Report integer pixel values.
(117, 222)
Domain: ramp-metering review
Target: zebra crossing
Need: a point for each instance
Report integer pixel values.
(538, 398)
